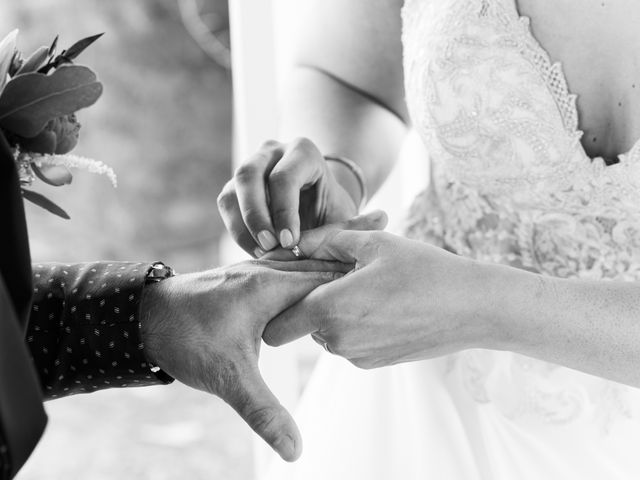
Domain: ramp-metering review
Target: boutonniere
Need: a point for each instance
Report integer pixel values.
(39, 97)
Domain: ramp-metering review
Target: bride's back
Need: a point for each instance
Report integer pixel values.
(597, 42)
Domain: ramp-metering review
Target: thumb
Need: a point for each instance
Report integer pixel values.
(262, 411)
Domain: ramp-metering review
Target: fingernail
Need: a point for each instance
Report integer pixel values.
(258, 252)
(267, 240)
(286, 447)
(286, 238)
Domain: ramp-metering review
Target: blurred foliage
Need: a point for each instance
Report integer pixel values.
(163, 123)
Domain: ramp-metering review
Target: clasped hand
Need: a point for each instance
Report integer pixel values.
(400, 300)
(205, 330)
(404, 301)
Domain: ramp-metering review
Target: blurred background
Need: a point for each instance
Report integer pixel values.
(164, 124)
(171, 126)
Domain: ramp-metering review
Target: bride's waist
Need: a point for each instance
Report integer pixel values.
(553, 237)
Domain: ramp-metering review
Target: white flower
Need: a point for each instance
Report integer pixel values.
(75, 161)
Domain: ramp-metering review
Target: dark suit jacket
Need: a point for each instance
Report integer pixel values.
(22, 415)
(64, 328)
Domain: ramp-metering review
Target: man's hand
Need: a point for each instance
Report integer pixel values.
(205, 330)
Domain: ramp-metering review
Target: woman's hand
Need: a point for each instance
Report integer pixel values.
(404, 301)
(279, 191)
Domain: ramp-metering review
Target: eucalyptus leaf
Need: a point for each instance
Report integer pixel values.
(80, 46)
(29, 101)
(45, 203)
(35, 61)
(68, 55)
(51, 56)
(54, 45)
(7, 51)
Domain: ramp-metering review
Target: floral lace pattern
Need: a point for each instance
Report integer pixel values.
(512, 184)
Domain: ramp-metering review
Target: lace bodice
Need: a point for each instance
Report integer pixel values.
(511, 183)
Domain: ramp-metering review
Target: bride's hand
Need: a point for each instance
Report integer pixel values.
(404, 301)
(281, 190)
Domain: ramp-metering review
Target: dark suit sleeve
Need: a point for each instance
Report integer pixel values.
(84, 327)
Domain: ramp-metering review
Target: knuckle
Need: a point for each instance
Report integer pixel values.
(303, 143)
(244, 276)
(253, 218)
(252, 281)
(270, 144)
(245, 173)
(226, 200)
(280, 179)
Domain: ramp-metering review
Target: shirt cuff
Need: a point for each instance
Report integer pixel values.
(84, 331)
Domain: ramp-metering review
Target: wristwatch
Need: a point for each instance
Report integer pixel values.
(157, 272)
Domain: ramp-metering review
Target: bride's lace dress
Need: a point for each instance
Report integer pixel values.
(512, 184)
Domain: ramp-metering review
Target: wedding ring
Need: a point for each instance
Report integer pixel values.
(321, 341)
(297, 252)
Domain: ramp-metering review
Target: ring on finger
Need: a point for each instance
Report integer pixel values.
(298, 252)
(321, 341)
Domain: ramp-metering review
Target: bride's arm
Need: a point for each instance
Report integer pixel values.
(592, 326)
(344, 86)
(407, 301)
(343, 96)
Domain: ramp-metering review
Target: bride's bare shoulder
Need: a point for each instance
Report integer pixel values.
(358, 41)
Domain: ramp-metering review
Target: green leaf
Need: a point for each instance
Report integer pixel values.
(35, 61)
(67, 56)
(45, 203)
(29, 101)
(80, 46)
(7, 51)
(54, 45)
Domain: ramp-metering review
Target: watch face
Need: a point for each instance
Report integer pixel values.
(159, 271)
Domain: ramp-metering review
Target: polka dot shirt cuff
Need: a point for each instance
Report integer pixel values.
(84, 328)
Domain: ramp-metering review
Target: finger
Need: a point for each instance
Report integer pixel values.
(234, 223)
(304, 317)
(283, 289)
(309, 265)
(311, 241)
(262, 411)
(301, 166)
(251, 190)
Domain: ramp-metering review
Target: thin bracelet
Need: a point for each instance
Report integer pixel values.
(359, 174)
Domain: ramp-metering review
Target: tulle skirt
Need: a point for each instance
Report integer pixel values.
(419, 421)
